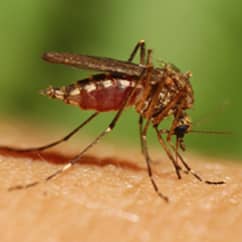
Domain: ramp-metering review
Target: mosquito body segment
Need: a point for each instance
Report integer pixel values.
(102, 92)
(172, 94)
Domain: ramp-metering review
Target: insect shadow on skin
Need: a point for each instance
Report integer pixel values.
(155, 93)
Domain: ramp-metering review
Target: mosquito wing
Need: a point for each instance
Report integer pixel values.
(93, 63)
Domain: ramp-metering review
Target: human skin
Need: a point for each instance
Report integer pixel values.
(107, 196)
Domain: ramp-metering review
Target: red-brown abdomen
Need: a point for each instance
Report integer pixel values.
(100, 92)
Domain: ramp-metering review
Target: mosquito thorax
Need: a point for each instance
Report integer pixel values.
(167, 91)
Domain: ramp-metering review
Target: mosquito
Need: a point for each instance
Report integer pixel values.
(155, 92)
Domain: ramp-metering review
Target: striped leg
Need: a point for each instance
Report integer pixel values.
(148, 160)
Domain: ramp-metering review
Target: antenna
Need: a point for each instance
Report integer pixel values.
(210, 132)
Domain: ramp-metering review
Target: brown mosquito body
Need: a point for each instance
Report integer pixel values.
(155, 93)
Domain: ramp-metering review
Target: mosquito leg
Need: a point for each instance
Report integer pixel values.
(140, 45)
(140, 132)
(149, 66)
(148, 161)
(149, 57)
(44, 147)
(75, 159)
(190, 170)
(169, 153)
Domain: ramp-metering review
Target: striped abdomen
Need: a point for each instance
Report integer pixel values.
(100, 92)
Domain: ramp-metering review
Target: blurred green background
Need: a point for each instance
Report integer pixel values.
(203, 36)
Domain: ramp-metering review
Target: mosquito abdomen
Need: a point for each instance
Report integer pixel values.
(100, 92)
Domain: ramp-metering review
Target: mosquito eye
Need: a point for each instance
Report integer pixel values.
(181, 130)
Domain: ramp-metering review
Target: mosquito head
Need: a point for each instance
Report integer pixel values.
(183, 127)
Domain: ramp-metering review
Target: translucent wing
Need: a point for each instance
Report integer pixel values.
(94, 63)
